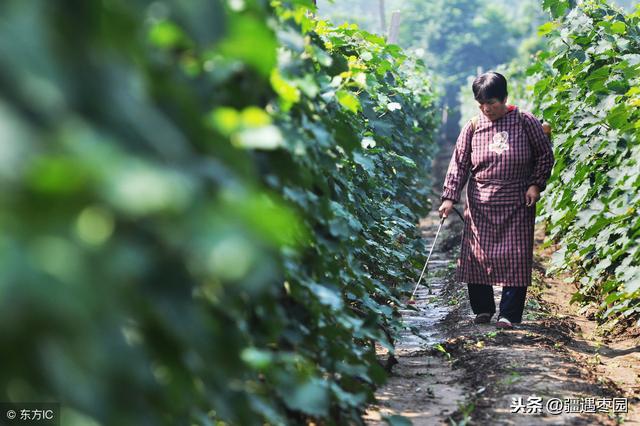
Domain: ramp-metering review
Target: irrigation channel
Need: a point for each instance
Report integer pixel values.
(452, 371)
(424, 386)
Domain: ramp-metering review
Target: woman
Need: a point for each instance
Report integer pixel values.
(509, 158)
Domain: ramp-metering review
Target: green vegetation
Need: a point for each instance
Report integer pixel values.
(460, 37)
(209, 209)
(455, 38)
(588, 88)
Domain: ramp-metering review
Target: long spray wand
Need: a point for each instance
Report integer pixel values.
(424, 268)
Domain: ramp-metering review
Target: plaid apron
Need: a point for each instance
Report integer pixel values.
(500, 160)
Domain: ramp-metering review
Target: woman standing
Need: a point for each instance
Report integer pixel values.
(509, 158)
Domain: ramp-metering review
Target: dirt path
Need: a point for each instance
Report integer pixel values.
(552, 369)
(424, 387)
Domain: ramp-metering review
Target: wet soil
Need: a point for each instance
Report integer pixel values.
(555, 368)
(423, 387)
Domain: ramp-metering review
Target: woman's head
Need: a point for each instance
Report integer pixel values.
(490, 85)
(490, 91)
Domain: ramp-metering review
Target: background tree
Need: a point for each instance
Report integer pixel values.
(457, 38)
(367, 14)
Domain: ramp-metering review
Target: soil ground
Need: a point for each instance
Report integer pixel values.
(555, 368)
(458, 372)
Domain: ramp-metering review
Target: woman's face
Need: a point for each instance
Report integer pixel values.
(493, 108)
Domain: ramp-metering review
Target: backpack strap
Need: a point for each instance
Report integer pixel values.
(474, 123)
(546, 128)
(523, 122)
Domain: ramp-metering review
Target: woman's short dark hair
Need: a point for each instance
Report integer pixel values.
(490, 85)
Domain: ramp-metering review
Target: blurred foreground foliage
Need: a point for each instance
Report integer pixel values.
(208, 209)
(588, 87)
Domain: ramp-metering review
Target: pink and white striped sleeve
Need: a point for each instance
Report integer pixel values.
(459, 166)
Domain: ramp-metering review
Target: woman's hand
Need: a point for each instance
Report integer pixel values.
(532, 195)
(445, 208)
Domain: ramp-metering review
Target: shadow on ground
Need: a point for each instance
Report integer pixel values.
(553, 368)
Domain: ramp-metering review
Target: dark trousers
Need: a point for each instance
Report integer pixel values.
(511, 303)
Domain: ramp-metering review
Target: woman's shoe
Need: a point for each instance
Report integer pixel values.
(504, 323)
(483, 318)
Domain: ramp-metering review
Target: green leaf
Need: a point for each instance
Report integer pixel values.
(288, 92)
(348, 399)
(311, 398)
(226, 120)
(327, 296)
(597, 78)
(547, 28)
(348, 101)
(405, 160)
(166, 34)
(556, 7)
(613, 297)
(251, 42)
(254, 117)
(364, 161)
(57, 175)
(256, 358)
(618, 27)
(618, 116)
